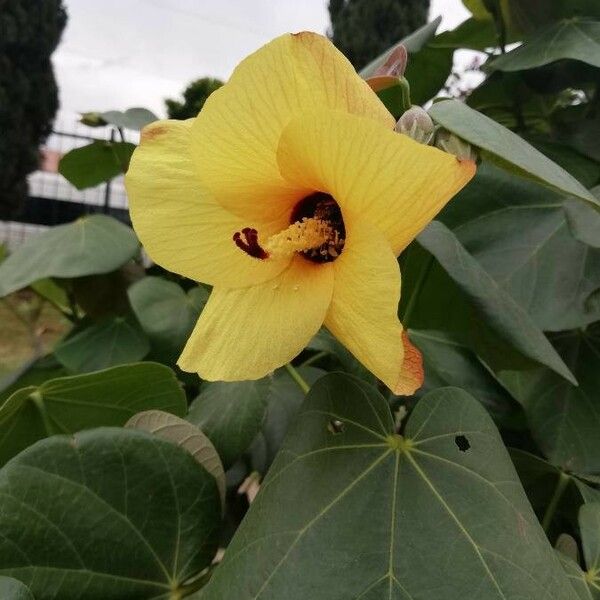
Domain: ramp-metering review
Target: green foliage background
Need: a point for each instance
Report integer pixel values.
(363, 29)
(194, 97)
(121, 475)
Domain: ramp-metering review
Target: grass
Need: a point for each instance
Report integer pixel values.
(18, 339)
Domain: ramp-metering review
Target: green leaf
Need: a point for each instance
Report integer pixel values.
(570, 39)
(518, 232)
(132, 118)
(90, 245)
(376, 515)
(413, 43)
(13, 589)
(505, 148)
(448, 363)
(588, 493)
(584, 223)
(173, 429)
(565, 419)
(584, 169)
(95, 163)
(33, 373)
(111, 342)
(523, 17)
(230, 414)
(283, 403)
(508, 320)
(53, 292)
(576, 577)
(540, 480)
(495, 97)
(427, 72)
(70, 404)
(472, 34)
(101, 296)
(324, 341)
(166, 313)
(108, 513)
(582, 134)
(589, 525)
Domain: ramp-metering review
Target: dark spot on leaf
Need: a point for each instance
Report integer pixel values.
(462, 443)
(334, 426)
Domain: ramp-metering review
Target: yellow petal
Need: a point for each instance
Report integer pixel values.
(397, 183)
(178, 221)
(364, 308)
(236, 134)
(247, 333)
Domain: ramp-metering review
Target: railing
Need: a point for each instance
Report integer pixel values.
(52, 199)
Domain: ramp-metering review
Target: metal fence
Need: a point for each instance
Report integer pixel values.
(52, 199)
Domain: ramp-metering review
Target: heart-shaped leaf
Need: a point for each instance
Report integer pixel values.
(90, 245)
(589, 525)
(565, 419)
(448, 363)
(95, 163)
(111, 342)
(508, 320)
(283, 403)
(70, 404)
(173, 429)
(518, 231)
(133, 118)
(435, 513)
(231, 415)
(541, 480)
(576, 39)
(577, 578)
(166, 313)
(108, 513)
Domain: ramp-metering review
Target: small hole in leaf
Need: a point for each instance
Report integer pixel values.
(334, 426)
(462, 443)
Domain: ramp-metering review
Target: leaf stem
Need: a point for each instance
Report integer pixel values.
(37, 399)
(297, 378)
(314, 358)
(194, 586)
(559, 490)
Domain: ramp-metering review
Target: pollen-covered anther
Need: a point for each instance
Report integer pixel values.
(310, 235)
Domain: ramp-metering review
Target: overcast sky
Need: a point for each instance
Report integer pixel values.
(121, 53)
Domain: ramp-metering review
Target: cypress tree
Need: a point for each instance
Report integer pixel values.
(29, 32)
(194, 97)
(363, 29)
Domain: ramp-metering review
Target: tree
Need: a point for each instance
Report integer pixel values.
(29, 32)
(363, 29)
(194, 97)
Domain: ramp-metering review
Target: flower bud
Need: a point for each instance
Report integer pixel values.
(394, 64)
(92, 119)
(417, 124)
(448, 142)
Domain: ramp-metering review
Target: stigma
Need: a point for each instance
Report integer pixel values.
(247, 240)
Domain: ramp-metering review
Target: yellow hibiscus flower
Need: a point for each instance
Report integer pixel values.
(291, 194)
